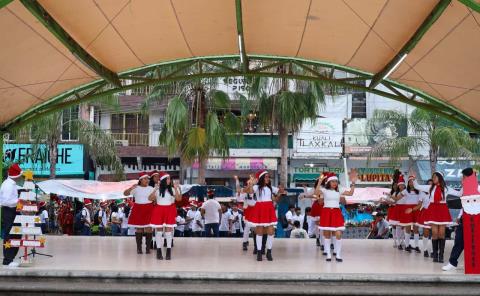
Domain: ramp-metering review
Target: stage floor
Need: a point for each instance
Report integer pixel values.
(224, 255)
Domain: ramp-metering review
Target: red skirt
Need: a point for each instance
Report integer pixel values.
(405, 219)
(247, 213)
(263, 214)
(332, 219)
(392, 216)
(421, 219)
(164, 216)
(316, 210)
(438, 214)
(140, 215)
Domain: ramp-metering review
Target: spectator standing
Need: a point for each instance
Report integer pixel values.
(225, 221)
(180, 229)
(43, 217)
(212, 211)
(289, 217)
(116, 221)
(102, 219)
(198, 224)
(190, 220)
(235, 220)
(86, 220)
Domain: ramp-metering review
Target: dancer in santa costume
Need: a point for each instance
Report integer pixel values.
(407, 217)
(467, 234)
(248, 204)
(437, 216)
(141, 212)
(392, 213)
(331, 221)
(164, 212)
(421, 208)
(263, 216)
(316, 208)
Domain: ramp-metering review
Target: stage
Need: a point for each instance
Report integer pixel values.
(205, 266)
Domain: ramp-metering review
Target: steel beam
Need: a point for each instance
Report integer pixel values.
(474, 5)
(91, 91)
(49, 22)
(241, 40)
(411, 43)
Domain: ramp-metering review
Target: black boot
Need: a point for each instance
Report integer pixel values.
(322, 248)
(269, 255)
(138, 239)
(148, 242)
(408, 249)
(435, 250)
(318, 242)
(441, 249)
(245, 246)
(264, 243)
(165, 243)
(159, 254)
(425, 254)
(254, 245)
(169, 254)
(259, 256)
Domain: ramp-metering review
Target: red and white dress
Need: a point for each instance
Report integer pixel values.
(437, 212)
(331, 215)
(248, 205)
(263, 213)
(141, 212)
(392, 212)
(424, 198)
(164, 213)
(408, 201)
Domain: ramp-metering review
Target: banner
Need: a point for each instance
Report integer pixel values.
(69, 158)
(320, 138)
(239, 164)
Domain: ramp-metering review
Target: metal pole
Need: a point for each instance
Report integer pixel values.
(2, 133)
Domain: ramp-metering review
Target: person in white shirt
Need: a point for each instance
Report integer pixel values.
(264, 216)
(297, 231)
(235, 221)
(86, 218)
(224, 228)
(116, 220)
(141, 213)
(164, 212)
(331, 221)
(43, 217)
(198, 225)
(190, 220)
(298, 216)
(8, 200)
(102, 219)
(289, 217)
(121, 216)
(311, 223)
(212, 211)
(180, 221)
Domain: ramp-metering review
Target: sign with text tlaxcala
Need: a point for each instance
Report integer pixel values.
(320, 138)
(37, 159)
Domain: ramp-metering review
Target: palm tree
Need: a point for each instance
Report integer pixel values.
(284, 105)
(426, 131)
(47, 130)
(198, 120)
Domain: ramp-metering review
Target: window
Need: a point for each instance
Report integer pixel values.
(131, 127)
(69, 131)
(359, 103)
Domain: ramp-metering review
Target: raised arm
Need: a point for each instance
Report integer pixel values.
(177, 191)
(423, 188)
(353, 178)
(128, 192)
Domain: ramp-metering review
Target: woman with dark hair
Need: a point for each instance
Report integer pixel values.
(141, 212)
(263, 216)
(437, 216)
(154, 178)
(423, 203)
(164, 213)
(407, 217)
(332, 222)
(392, 213)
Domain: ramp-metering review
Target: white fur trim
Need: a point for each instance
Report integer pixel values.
(341, 228)
(144, 176)
(263, 173)
(163, 225)
(14, 177)
(332, 178)
(263, 224)
(471, 204)
(164, 177)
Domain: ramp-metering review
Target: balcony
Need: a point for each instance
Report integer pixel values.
(135, 139)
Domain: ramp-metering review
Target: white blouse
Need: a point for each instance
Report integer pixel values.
(141, 194)
(447, 191)
(331, 198)
(166, 200)
(266, 194)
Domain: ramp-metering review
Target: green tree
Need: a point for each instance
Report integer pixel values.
(198, 120)
(426, 132)
(48, 129)
(284, 105)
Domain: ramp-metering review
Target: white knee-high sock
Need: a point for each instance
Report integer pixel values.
(159, 238)
(269, 242)
(168, 236)
(338, 248)
(425, 244)
(259, 242)
(333, 239)
(246, 232)
(394, 234)
(327, 248)
(322, 238)
(407, 238)
(399, 235)
(416, 238)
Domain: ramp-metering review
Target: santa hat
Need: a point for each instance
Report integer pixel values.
(153, 173)
(260, 173)
(143, 175)
(14, 171)
(401, 180)
(210, 192)
(331, 177)
(87, 202)
(42, 204)
(163, 175)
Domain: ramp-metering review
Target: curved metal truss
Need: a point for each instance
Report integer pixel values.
(258, 65)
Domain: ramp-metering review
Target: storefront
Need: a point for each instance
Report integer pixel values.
(70, 159)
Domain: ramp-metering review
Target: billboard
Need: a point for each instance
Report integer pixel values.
(69, 158)
(320, 138)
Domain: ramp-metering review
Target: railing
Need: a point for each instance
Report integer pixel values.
(132, 139)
